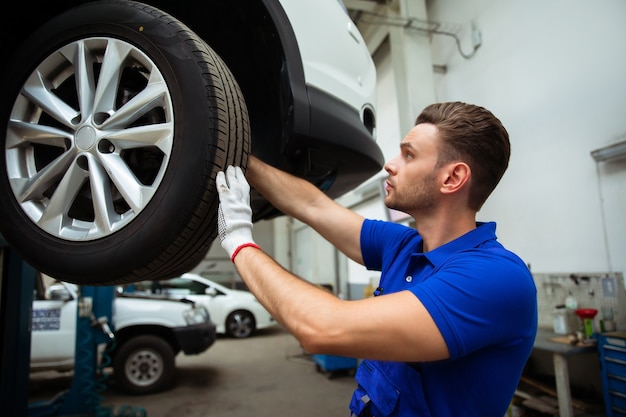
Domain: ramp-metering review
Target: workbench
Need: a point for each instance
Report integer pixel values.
(560, 352)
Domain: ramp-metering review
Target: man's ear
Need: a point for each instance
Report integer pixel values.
(458, 175)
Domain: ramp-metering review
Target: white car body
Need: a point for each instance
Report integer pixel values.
(346, 70)
(53, 334)
(221, 302)
(182, 326)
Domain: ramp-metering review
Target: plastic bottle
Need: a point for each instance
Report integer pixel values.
(560, 320)
(573, 322)
(571, 302)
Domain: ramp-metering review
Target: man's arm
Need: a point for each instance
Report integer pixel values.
(302, 200)
(389, 327)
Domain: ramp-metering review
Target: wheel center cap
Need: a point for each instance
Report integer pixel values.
(85, 138)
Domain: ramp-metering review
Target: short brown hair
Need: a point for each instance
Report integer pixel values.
(471, 134)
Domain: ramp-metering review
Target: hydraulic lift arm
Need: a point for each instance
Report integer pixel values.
(16, 291)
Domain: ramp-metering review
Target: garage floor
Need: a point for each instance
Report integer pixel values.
(266, 375)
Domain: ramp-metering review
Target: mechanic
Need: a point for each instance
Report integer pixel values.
(454, 317)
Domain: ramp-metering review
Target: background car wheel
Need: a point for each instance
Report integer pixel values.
(143, 365)
(117, 120)
(240, 324)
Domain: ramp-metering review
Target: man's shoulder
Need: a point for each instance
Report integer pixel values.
(387, 232)
(388, 225)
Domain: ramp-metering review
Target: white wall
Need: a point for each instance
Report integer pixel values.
(555, 73)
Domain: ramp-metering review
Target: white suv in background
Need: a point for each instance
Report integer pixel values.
(148, 334)
(236, 313)
(116, 116)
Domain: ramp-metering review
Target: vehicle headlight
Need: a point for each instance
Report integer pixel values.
(196, 315)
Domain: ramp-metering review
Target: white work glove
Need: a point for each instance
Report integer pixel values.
(234, 216)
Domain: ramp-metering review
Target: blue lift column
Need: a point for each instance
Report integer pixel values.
(84, 394)
(95, 311)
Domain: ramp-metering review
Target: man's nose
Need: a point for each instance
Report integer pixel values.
(390, 166)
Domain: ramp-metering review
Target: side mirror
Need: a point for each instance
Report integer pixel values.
(59, 292)
(210, 291)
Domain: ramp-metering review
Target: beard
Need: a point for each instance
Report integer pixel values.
(420, 197)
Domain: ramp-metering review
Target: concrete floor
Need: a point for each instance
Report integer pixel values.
(266, 375)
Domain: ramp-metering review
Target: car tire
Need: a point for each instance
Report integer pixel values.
(105, 186)
(144, 365)
(240, 324)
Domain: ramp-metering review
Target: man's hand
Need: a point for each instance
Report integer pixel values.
(234, 217)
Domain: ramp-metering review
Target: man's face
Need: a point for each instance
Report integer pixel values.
(412, 184)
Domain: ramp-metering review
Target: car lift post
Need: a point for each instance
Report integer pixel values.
(17, 283)
(83, 397)
(16, 299)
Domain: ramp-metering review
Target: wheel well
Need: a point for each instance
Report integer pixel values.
(243, 310)
(244, 35)
(124, 335)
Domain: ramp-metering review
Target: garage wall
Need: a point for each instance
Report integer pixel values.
(554, 73)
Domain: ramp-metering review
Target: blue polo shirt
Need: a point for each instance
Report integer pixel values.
(482, 298)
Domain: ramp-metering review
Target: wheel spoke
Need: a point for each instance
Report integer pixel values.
(110, 73)
(33, 188)
(37, 91)
(24, 133)
(104, 211)
(83, 62)
(150, 97)
(159, 135)
(54, 217)
(135, 194)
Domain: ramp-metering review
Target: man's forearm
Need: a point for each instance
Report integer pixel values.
(300, 199)
(286, 192)
(287, 297)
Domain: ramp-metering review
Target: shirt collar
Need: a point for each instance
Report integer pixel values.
(483, 232)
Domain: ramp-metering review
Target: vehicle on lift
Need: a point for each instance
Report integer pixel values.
(116, 117)
(236, 313)
(148, 333)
